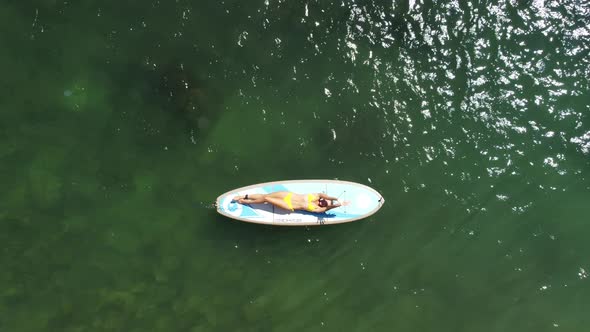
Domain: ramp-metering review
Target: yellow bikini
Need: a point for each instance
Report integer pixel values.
(310, 199)
(287, 200)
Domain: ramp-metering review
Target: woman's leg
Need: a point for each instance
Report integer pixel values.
(278, 194)
(278, 202)
(250, 199)
(276, 198)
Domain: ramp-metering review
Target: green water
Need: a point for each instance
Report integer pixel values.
(120, 122)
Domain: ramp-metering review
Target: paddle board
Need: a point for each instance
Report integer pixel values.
(363, 202)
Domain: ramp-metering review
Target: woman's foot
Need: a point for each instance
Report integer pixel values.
(240, 199)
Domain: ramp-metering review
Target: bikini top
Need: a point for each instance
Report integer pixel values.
(310, 199)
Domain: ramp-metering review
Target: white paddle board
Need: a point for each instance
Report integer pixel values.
(363, 202)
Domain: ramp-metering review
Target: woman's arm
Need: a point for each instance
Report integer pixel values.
(324, 196)
(320, 209)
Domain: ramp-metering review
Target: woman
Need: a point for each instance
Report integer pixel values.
(317, 203)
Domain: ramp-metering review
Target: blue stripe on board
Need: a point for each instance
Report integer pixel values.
(231, 207)
(247, 211)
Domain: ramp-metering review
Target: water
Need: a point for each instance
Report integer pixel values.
(121, 123)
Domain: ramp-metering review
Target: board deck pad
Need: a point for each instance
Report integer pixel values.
(364, 201)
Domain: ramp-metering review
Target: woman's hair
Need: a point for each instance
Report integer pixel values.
(322, 202)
